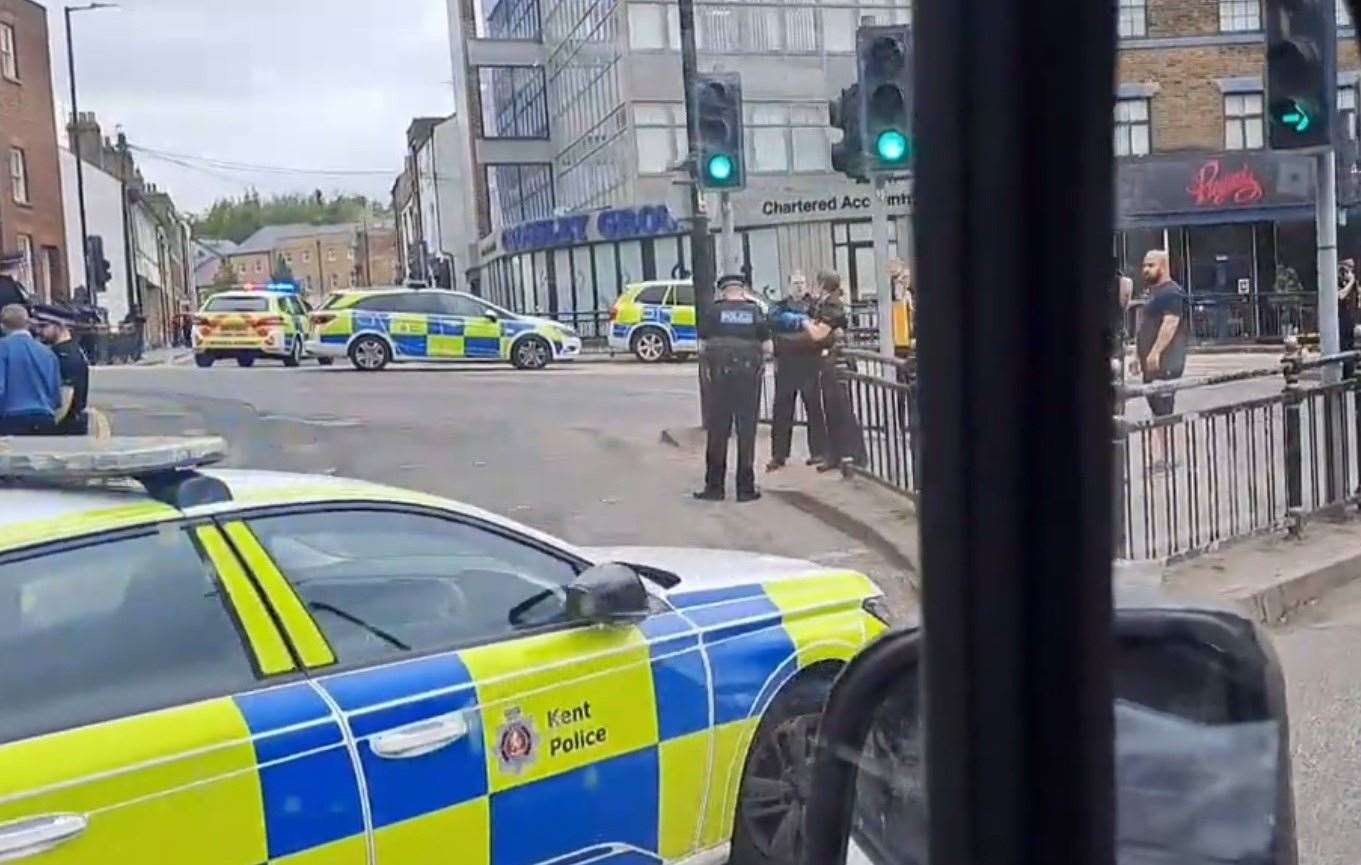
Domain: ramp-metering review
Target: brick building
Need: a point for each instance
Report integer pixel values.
(1195, 176)
(31, 215)
(322, 258)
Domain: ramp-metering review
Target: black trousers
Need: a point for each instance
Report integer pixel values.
(76, 425)
(797, 376)
(27, 425)
(734, 397)
(844, 437)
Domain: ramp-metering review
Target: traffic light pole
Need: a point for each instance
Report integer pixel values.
(730, 258)
(1330, 341)
(882, 228)
(701, 244)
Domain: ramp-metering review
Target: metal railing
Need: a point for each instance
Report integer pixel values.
(1187, 482)
(1266, 460)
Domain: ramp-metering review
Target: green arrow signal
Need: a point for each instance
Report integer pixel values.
(1298, 118)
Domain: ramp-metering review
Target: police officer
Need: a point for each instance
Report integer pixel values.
(11, 290)
(796, 375)
(75, 374)
(732, 358)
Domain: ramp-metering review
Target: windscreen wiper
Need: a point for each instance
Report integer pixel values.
(355, 620)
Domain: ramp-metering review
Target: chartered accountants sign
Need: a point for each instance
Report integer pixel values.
(621, 223)
(832, 204)
(1191, 188)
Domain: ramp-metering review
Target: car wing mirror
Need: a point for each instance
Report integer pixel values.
(492, 315)
(608, 594)
(1202, 750)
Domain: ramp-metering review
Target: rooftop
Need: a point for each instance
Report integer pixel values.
(268, 238)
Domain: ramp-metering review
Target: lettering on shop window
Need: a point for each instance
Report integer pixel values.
(636, 222)
(1214, 186)
(833, 204)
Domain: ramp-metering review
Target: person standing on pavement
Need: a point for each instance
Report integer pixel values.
(30, 378)
(830, 321)
(1346, 311)
(1162, 337)
(796, 375)
(75, 377)
(732, 361)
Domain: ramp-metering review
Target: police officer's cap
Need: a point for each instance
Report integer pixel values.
(728, 279)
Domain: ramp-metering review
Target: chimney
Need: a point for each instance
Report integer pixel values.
(86, 130)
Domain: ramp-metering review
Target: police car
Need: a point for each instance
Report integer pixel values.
(255, 322)
(655, 321)
(375, 327)
(234, 667)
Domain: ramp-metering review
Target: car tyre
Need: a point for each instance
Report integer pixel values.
(532, 352)
(776, 781)
(204, 360)
(245, 360)
(650, 345)
(294, 357)
(370, 354)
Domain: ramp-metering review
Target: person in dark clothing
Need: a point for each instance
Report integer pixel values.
(75, 378)
(796, 375)
(830, 321)
(12, 292)
(1346, 311)
(1162, 339)
(30, 378)
(732, 361)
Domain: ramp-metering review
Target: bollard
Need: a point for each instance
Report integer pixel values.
(1294, 451)
(1120, 441)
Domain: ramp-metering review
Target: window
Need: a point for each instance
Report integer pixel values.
(1131, 127)
(307, 256)
(386, 584)
(18, 175)
(839, 22)
(1133, 18)
(468, 307)
(1344, 15)
(383, 303)
(519, 193)
(514, 101)
(1346, 110)
(683, 295)
(259, 266)
(288, 258)
(110, 630)
(349, 253)
(1243, 125)
(653, 294)
(223, 303)
(335, 280)
(1238, 15)
(9, 59)
(26, 249)
(660, 134)
(331, 254)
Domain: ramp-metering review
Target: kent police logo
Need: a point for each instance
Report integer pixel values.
(517, 742)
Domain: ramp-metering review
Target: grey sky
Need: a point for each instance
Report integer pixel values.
(314, 84)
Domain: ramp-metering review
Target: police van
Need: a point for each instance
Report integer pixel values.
(375, 327)
(655, 321)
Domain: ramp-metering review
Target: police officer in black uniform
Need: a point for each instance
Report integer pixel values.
(11, 290)
(732, 358)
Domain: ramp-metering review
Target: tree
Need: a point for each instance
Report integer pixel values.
(282, 272)
(238, 218)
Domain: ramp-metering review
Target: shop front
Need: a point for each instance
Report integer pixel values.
(574, 266)
(1239, 230)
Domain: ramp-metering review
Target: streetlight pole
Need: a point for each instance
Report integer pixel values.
(75, 143)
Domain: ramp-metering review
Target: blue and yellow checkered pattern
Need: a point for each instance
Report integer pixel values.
(618, 745)
(417, 336)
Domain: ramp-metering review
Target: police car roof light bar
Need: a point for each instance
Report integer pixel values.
(164, 465)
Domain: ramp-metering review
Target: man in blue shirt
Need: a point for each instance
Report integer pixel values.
(30, 378)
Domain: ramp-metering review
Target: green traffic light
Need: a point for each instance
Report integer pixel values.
(720, 168)
(891, 145)
(1297, 119)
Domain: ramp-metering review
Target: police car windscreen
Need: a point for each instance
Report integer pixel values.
(237, 304)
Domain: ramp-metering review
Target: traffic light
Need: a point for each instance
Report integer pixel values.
(100, 272)
(1301, 65)
(848, 155)
(884, 57)
(721, 161)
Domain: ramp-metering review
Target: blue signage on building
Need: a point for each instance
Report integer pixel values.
(622, 223)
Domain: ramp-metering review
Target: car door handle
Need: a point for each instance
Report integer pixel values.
(29, 837)
(420, 738)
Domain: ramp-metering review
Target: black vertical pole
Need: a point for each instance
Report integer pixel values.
(1294, 450)
(702, 266)
(80, 166)
(129, 236)
(1016, 535)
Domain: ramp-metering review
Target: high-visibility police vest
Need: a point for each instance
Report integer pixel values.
(902, 325)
